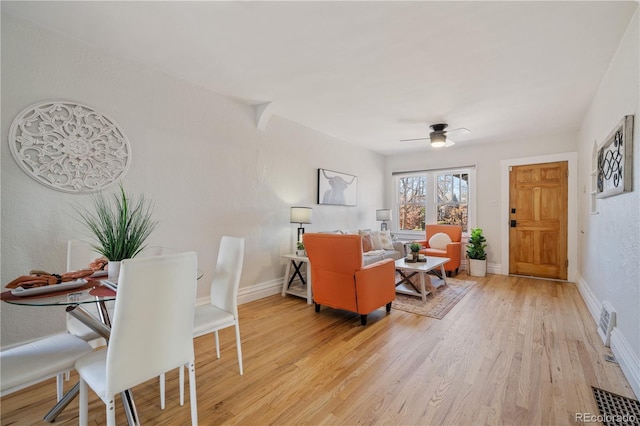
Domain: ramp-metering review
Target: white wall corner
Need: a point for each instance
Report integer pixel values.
(264, 112)
(629, 362)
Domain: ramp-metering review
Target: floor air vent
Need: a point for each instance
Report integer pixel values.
(606, 323)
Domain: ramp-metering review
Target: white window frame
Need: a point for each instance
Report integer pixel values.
(431, 210)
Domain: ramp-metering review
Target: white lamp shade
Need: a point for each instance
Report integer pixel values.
(300, 215)
(383, 214)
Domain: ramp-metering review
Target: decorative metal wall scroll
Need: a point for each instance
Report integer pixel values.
(615, 160)
(69, 147)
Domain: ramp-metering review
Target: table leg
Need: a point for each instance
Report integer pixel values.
(285, 283)
(309, 292)
(297, 272)
(129, 408)
(444, 274)
(50, 417)
(423, 291)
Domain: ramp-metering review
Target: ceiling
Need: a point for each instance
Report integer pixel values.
(371, 73)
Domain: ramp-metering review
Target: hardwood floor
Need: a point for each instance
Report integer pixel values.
(513, 351)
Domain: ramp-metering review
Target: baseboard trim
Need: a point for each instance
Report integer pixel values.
(593, 305)
(254, 292)
(629, 362)
(620, 347)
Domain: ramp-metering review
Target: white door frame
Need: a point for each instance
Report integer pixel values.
(572, 206)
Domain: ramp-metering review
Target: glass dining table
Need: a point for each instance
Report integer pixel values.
(73, 297)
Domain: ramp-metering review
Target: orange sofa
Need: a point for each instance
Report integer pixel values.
(340, 280)
(453, 249)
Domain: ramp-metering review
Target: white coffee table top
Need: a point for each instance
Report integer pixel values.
(431, 263)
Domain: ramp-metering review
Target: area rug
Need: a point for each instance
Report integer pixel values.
(616, 409)
(438, 304)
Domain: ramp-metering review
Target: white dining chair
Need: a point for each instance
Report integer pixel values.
(151, 332)
(34, 362)
(222, 309)
(79, 255)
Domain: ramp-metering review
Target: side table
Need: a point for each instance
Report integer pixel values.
(303, 288)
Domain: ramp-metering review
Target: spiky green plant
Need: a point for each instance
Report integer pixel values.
(119, 224)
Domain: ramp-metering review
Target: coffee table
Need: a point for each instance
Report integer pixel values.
(409, 269)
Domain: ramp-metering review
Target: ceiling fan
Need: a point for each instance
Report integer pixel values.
(439, 136)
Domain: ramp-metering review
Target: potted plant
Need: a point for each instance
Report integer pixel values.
(415, 250)
(120, 225)
(300, 249)
(476, 253)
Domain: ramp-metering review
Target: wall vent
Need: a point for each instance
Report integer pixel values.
(606, 323)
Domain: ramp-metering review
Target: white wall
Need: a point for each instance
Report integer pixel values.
(610, 240)
(197, 154)
(487, 159)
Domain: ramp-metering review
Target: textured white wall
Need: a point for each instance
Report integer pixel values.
(487, 160)
(610, 240)
(198, 155)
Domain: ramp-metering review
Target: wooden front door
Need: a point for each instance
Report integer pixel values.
(538, 220)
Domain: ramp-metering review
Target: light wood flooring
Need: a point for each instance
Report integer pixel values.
(514, 351)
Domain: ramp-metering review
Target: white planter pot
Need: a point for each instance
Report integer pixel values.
(113, 270)
(302, 253)
(477, 268)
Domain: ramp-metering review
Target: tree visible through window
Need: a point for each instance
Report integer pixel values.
(412, 202)
(453, 199)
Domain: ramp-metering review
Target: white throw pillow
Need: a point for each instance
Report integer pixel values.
(375, 237)
(439, 241)
(386, 240)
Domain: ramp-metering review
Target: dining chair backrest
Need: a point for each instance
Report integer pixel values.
(79, 255)
(226, 277)
(153, 319)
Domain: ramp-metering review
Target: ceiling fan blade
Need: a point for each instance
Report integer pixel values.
(459, 131)
(449, 143)
(417, 139)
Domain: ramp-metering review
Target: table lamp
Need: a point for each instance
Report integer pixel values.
(300, 215)
(384, 215)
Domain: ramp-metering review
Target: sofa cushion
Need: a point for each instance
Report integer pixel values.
(439, 241)
(385, 240)
(434, 252)
(367, 244)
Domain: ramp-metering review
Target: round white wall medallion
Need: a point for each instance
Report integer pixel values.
(69, 147)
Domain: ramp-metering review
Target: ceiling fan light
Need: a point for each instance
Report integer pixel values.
(438, 140)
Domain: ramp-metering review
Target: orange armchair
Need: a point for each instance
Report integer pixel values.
(339, 279)
(453, 249)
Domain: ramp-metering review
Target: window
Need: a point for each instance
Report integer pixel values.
(438, 196)
(452, 199)
(412, 191)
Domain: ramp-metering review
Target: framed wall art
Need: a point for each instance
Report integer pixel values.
(337, 188)
(615, 160)
(69, 147)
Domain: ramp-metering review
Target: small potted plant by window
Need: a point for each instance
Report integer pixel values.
(476, 254)
(415, 251)
(300, 249)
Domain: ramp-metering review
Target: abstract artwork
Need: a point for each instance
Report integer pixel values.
(615, 160)
(337, 188)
